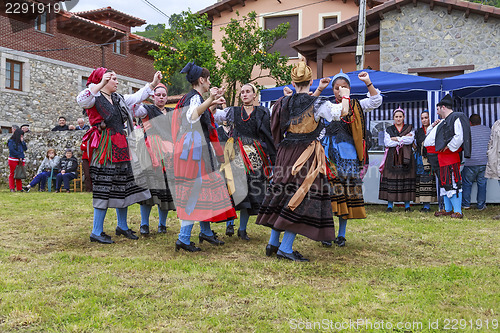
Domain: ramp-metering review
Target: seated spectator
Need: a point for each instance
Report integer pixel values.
(81, 125)
(62, 125)
(48, 168)
(475, 166)
(25, 128)
(67, 167)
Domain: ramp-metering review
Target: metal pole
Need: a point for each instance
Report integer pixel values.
(360, 48)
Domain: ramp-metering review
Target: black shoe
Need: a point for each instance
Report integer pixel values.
(230, 230)
(26, 188)
(243, 235)
(388, 210)
(127, 233)
(190, 248)
(162, 229)
(425, 210)
(270, 249)
(294, 256)
(408, 209)
(101, 239)
(326, 243)
(340, 241)
(103, 234)
(211, 239)
(144, 230)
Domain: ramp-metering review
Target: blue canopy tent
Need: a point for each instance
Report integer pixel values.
(477, 84)
(477, 92)
(394, 87)
(410, 92)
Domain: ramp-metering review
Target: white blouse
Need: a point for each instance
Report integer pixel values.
(86, 99)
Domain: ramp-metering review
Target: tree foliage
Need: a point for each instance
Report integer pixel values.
(187, 39)
(245, 48)
(152, 31)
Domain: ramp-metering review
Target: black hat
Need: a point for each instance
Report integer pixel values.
(446, 101)
(26, 126)
(193, 72)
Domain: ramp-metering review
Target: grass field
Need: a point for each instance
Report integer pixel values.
(400, 268)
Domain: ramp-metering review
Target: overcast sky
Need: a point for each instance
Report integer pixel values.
(140, 8)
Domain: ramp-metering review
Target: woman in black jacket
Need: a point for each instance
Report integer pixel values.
(67, 167)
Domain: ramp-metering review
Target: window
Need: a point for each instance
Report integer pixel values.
(283, 45)
(13, 74)
(41, 22)
(119, 47)
(5, 130)
(83, 84)
(328, 21)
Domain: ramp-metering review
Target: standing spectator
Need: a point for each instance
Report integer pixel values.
(493, 166)
(398, 179)
(475, 166)
(67, 168)
(49, 167)
(426, 180)
(62, 125)
(452, 137)
(81, 125)
(17, 147)
(25, 128)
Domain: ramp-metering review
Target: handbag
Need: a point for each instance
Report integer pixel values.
(20, 171)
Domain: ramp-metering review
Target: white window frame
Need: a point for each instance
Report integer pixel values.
(25, 89)
(285, 13)
(322, 16)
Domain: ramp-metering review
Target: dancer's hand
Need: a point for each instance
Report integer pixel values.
(365, 77)
(287, 91)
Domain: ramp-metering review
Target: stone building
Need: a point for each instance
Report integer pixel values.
(45, 60)
(435, 38)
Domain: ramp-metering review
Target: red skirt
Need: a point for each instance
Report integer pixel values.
(213, 203)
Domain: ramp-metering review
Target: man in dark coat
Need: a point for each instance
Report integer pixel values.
(452, 138)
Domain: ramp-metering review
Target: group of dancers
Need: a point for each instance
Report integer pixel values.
(295, 167)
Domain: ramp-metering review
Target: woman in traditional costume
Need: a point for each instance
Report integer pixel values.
(426, 181)
(113, 181)
(249, 154)
(200, 192)
(345, 147)
(157, 123)
(397, 182)
(298, 199)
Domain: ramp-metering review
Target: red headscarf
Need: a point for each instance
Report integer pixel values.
(96, 75)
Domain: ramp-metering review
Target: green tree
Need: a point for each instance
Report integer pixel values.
(187, 39)
(246, 48)
(152, 31)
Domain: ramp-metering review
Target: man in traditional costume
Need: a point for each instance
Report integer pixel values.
(452, 137)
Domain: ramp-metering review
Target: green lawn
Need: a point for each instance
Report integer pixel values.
(396, 268)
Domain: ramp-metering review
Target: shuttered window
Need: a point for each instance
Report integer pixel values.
(283, 45)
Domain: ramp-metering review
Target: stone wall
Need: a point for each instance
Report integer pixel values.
(38, 143)
(418, 37)
(50, 88)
